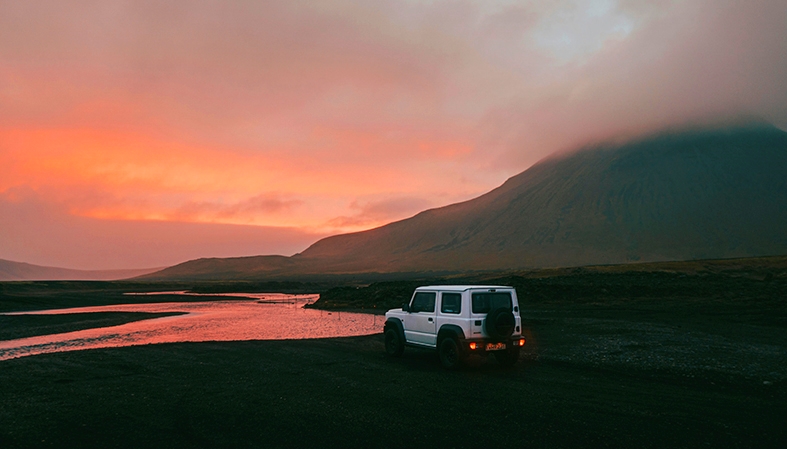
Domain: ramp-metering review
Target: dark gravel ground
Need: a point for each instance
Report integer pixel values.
(346, 393)
(583, 382)
(626, 360)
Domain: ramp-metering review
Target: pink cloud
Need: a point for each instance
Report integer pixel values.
(261, 204)
(379, 212)
(45, 234)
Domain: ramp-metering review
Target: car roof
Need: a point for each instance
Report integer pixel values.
(461, 288)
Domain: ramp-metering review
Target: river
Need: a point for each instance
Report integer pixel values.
(269, 317)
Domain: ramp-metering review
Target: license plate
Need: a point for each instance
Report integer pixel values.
(495, 346)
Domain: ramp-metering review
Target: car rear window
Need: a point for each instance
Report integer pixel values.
(484, 302)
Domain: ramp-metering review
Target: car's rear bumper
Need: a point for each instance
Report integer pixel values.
(482, 346)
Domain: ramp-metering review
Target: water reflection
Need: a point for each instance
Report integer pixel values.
(271, 317)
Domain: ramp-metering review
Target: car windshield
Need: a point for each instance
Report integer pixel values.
(487, 301)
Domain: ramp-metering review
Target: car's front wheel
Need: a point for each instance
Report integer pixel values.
(393, 343)
(450, 355)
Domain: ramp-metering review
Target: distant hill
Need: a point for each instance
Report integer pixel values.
(699, 194)
(19, 271)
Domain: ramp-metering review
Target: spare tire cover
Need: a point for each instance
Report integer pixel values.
(499, 323)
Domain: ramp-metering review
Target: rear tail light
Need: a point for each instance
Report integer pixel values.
(520, 342)
(473, 346)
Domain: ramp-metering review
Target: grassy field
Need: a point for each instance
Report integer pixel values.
(682, 355)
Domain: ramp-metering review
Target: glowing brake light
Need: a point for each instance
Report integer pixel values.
(520, 342)
(473, 346)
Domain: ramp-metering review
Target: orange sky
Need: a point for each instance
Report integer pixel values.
(289, 121)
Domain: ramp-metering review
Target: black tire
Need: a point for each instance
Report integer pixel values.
(450, 354)
(394, 346)
(500, 323)
(507, 358)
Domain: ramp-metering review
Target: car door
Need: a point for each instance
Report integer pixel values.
(419, 326)
(449, 309)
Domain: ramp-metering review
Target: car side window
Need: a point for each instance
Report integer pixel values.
(423, 302)
(451, 303)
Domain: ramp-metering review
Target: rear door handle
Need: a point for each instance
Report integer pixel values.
(430, 319)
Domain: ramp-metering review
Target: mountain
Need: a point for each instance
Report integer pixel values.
(19, 271)
(680, 195)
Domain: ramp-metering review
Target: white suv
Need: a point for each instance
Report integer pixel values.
(458, 320)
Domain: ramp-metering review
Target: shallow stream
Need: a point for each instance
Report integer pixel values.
(270, 317)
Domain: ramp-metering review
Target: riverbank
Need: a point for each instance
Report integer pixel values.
(23, 326)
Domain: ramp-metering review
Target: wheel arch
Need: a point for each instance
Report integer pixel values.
(396, 323)
(450, 330)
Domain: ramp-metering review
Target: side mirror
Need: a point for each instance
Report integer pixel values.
(406, 308)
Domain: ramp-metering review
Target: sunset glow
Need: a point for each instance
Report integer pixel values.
(111, 175)
(310, 119)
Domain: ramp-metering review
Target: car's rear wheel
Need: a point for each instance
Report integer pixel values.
(393, 343)
(450, 355)
(508, 357)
